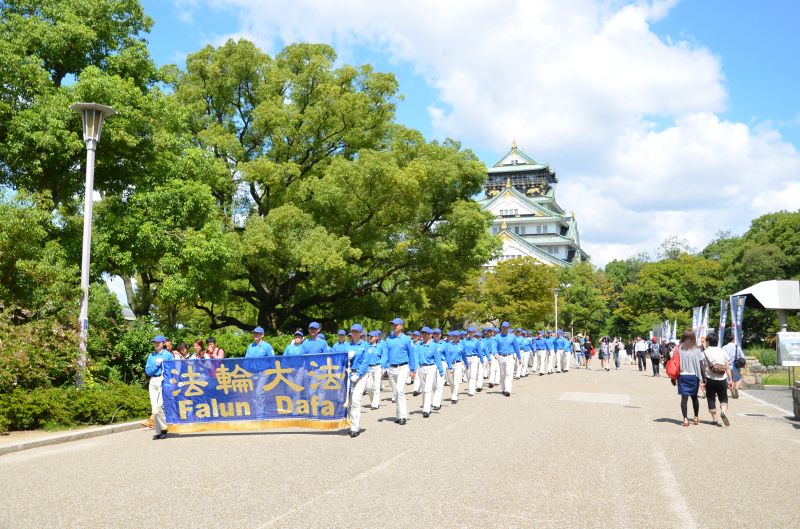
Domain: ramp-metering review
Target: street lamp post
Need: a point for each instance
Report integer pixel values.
(555, 292)
(92, 115)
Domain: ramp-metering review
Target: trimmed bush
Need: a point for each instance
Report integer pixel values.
(66, 407)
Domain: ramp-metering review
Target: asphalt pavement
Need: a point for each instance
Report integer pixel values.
(583, 449)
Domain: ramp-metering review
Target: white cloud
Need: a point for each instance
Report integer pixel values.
(580, 84)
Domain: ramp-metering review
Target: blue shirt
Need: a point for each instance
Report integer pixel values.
(550, 343)
(490, 347)
(154, 369)
(471, 346)
(315, 346)
(293, 349)
(562, 344)
(341, 347)
(455, 353)
(360, 363)
(507, 344)
(429, 354)
(540, 344)
(375, 353)
(259, 350)
(399, 350)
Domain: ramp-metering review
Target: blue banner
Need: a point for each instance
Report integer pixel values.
(306, 391)
(723, 315)
(737, 317)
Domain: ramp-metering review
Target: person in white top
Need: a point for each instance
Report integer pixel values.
(718, 379)
(640, 352)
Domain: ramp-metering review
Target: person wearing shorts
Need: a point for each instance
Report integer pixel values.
(717, 382)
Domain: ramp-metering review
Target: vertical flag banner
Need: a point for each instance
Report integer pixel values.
(675, 330)
(665, 330)
(697, 320)
(737, 316)
(704, 323)
(304, 391)
(723, 316)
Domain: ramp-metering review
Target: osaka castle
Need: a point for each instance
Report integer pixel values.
(520, 193)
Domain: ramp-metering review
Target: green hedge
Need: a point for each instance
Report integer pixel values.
(766, 357)
(65, 407)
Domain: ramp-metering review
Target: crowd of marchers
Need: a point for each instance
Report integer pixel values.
(429, 360)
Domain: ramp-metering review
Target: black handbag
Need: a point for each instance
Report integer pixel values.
(739, 360)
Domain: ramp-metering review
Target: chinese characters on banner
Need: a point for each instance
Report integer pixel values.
(308, 391)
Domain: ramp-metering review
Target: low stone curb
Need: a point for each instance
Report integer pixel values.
(71, 436)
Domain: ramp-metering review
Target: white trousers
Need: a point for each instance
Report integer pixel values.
(397, 378)
(551, 361)
(494, 370)
(506, 372)
(438, 386)
(565, 356)
(559, 359)
(541, 360)
(374, 384)
(475, 374)
(359, 387)
(427, 378)
(415, 385)
(157, 404)
(454, 380)
(522, 366)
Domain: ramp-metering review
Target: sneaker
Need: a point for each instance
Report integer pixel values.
(725, 419)
(734, 393)
(426, 414)
(354, 434)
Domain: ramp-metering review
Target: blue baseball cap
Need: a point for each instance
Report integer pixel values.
(313, 325)
(462, 333)
(341, 332)
(356, 327)
(159, 338)
(472, 329)
(478, 333)
(259, 330)
(559, 331)
(321, 335)
(397, 321)
(504, 324)
(452, 333)
(298, 332)
(374, 333)
(437, 330)
(427, 330)
(413, 333)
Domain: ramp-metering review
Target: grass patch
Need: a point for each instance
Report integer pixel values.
(775, 379)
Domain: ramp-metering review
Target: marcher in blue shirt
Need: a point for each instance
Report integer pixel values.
(259, 348)
(456, 361)
(540, 346)
(550, 343)
(341, 346)
(154, 368)
(508, 351)
(357, 350)
(430, 362)
(438, 385)
(399, 359)
(473, 353)
(296, 346)
(494, 361)
(314, 344)
(374, 354)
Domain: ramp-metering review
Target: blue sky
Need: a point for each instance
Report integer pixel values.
(641, 107)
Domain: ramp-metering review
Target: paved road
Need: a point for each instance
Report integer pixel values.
(583, 449)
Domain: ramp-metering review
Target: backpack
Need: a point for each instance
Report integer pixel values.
(674, 364)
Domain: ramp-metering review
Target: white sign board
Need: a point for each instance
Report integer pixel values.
(789, 349)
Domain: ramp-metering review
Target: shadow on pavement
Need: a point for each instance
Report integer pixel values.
(265, 433)
(679, 422)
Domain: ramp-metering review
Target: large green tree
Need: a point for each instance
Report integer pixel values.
(335, 207)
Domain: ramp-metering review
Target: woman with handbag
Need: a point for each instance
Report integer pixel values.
(718, 379)
(737, 361)
(691, 375)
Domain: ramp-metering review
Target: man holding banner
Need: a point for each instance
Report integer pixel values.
(359, 369)
(154, 368)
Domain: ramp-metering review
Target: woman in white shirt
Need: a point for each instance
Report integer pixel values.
(718, 379)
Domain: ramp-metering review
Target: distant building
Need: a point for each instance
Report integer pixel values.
(520, 193)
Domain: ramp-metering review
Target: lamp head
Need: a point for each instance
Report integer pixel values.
(92, 115)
